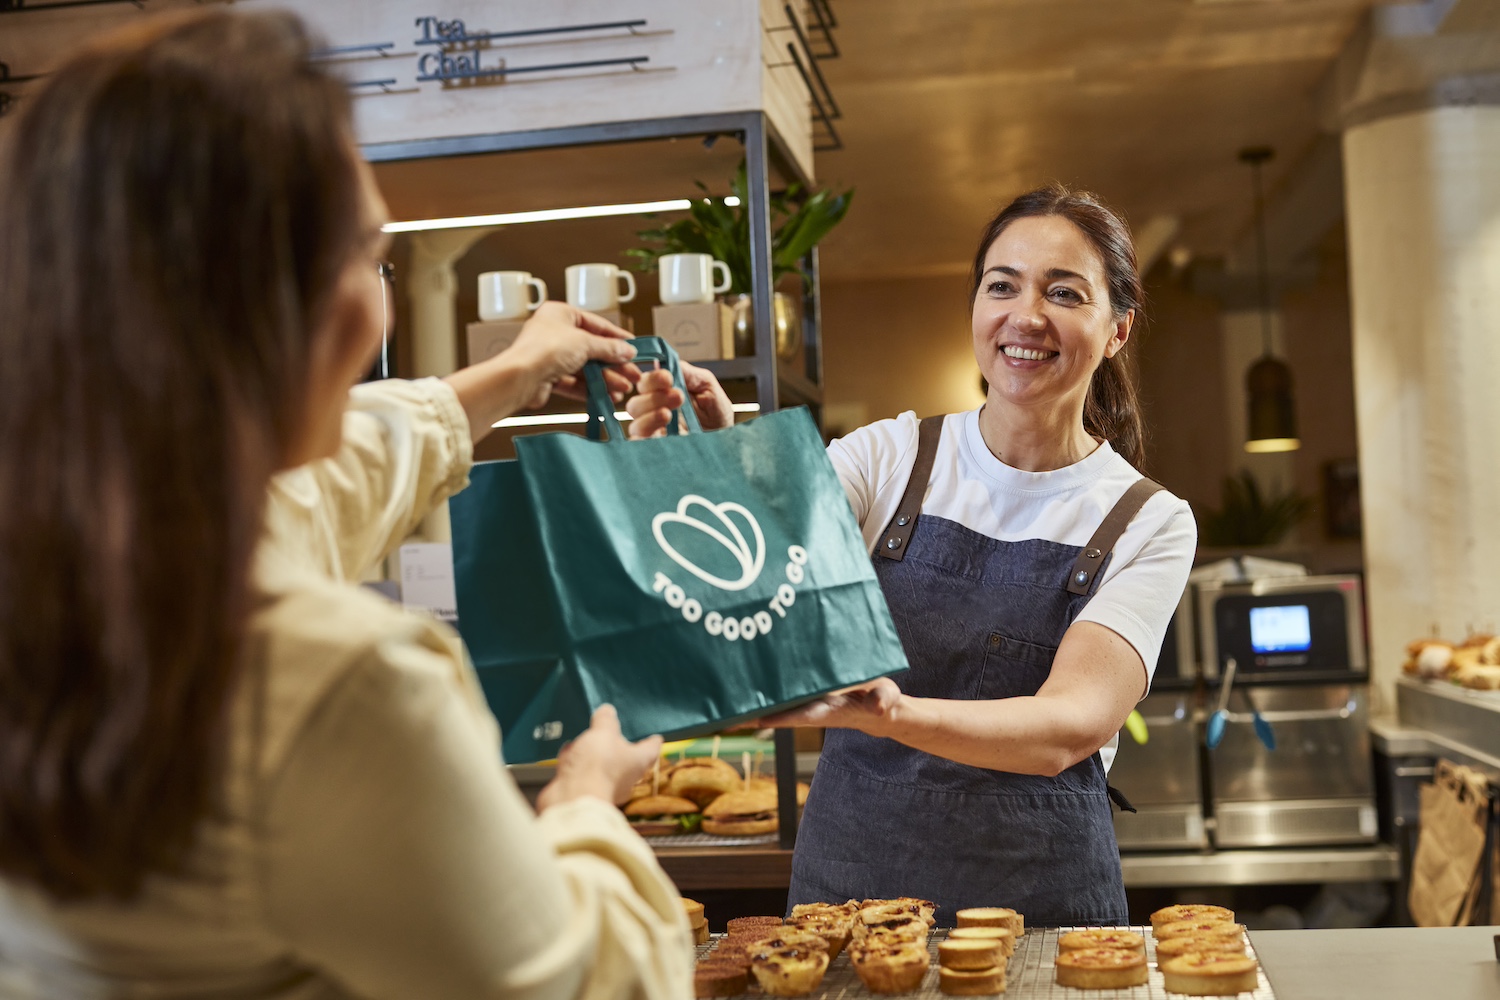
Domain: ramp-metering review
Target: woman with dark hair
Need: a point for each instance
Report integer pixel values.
(1031, 596)
(225, 768)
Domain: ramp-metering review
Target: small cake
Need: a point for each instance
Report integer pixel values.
(1172, 947)
(972, 982)
(1101, 968)
(1190, 911)
(844, 910)
(746, 923)
(872, 910)
(1210, 974)
(719, 979)
(1201, 928)
(790, 971)
(1000, 935)
(893, 966)
(1102, 937)
(993, 916)
(968, 954)
(777, 938)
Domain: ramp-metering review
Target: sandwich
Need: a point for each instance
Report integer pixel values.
(663, 815)
(741, 814)
(703, 779)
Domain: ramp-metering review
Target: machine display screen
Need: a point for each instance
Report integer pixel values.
(1285, 629)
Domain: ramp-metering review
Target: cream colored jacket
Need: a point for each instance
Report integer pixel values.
(373, 844)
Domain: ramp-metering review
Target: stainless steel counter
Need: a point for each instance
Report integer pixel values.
(1381, 963)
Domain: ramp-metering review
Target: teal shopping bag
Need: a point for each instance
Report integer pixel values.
(692, 581)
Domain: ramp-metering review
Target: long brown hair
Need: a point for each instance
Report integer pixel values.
(176, 204)
(1111, 410)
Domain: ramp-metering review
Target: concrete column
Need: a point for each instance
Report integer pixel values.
(1423, 200)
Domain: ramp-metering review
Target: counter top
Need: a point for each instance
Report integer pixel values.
(1388, 963)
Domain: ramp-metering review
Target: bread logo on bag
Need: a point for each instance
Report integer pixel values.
(750, 564)
(723, 523)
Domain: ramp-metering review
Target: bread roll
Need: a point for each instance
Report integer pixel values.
(1101, 969)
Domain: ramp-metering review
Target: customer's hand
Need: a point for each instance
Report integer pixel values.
(656, 397)
(600, 763)
(559, 339)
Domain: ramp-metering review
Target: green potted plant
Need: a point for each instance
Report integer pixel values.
(716, 228)
(1249, 518)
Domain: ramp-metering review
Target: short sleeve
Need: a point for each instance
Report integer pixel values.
(869, 460)
(1136, 601)
(401, 859)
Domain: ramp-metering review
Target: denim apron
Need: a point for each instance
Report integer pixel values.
(979, 618)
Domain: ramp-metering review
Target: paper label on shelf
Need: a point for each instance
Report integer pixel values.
(427, 579)
(1368, 825)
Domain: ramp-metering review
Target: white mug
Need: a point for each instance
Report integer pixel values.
(507, 294)
(595, 287)
(688, 278)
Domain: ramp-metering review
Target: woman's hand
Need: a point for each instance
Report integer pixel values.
(548, 355)
(656, 397)
(868, 707)
(600, 763)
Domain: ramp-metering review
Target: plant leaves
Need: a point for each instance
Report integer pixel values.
(1246, 517)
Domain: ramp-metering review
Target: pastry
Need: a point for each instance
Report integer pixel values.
(1000, 935)
(993, 916)
(739, 924)
(968, 954)
(835, 930)
(778, 938)
(889, 966)
(790, 971)
(845, 910)
(1101, 968)
(696, 920)
(1210, 974)
(1102, 937)
(1201, 928)
(719, 979)
(1172, 947)
(972, 982)
(905, 927)
(1190, 911)
(870, 909)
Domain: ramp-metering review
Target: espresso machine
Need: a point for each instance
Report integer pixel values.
(1298, 643)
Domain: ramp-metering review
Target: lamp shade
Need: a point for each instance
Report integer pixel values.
(1273, 418)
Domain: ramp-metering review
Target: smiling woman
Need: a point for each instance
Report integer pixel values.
(1031, 573)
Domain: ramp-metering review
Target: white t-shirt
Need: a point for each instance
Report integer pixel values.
(1140, 586)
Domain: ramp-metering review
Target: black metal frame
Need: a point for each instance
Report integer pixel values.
(772, 383)
(20, 6)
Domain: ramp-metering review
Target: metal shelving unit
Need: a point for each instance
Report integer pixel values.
(777, 383)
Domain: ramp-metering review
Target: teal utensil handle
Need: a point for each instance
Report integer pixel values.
(1216, 729)
(602, 409)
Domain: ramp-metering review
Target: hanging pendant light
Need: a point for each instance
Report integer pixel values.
(1272, 424)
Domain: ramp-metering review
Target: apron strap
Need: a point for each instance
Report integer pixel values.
(903, 523)
(1091, 559)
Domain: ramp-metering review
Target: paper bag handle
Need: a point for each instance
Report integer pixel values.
(602, 408)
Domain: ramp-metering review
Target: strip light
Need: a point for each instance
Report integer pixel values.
(545, 215)
(554, 419)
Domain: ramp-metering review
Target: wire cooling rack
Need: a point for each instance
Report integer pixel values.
(1031, 974)
(710, 840)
